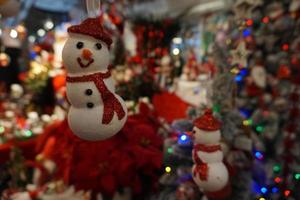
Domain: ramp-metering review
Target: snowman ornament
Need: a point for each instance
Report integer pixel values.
(209, 171)
(96, 111)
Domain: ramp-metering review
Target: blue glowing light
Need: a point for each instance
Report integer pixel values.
(246, 32)
(245, 113)
(259, 155)
(264, 190)
(184, 139)
(243, 72)
(238, 78)
(275, 189)
(33, 55)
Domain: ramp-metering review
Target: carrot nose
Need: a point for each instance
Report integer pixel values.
(86, 54)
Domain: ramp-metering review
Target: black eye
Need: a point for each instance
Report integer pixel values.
(79, 45)
(98, 46)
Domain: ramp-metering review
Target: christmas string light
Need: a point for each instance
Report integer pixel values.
(2, 129)
(168, 169)
(259, 155)
(285, 47)
(276, 168)
(259, 129)
(287, 193)
(246, 33)
(266, 20)
(249, 22)
(264, 190)
(277, 180)
(13, 33)
(170, 150)
(275, 189)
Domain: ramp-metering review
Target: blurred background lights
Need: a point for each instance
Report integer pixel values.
(49, 25)
(177, 40)
(168, 169)
(13, 33)
(259, 155)
(264, 190)
(41, 32)
(275, 189)
(31, 38)
(176, 51)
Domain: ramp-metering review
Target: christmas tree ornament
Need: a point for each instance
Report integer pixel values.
(240, 55)
(209, 171)
(243, 8)
(96, 112)
(259, 76)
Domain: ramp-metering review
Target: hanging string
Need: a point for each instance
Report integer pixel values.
(93, 8)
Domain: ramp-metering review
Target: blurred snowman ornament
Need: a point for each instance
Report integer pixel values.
(259, 76)
(209, 171)
(96, 112)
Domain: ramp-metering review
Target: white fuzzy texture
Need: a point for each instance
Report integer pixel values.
(85, 122)
(71, 53)
(211, 157)
(217, 178)
(259, 76)
(206, 137)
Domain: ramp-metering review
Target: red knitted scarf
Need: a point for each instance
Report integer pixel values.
(111, 103)
(201, 167)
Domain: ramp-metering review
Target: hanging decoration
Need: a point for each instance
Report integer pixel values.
(90, 89)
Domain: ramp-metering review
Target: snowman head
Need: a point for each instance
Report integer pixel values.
(87, 49)
(206, 137)
(207, 129)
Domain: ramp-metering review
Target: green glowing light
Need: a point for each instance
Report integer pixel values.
(276, 168)
(297, 176)
(216, 108)
(2, 129)
(170, 150)
(259, 129)
(28, 133)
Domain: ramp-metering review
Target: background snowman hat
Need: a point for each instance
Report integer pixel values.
(92, 27)
(207, 122)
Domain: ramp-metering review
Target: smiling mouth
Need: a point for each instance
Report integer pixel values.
(84, 65)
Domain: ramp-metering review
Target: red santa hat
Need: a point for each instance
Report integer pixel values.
(92, 27)
(207, 122)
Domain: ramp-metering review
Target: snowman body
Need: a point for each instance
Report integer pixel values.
(209, 171)
(86, 56)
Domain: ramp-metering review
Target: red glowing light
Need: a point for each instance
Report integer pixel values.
(287, 193)
(285, 47)
(249, 22)
(277, 180)
(266, 20)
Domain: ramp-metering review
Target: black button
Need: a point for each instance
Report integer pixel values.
(89, 92)
(90, 105)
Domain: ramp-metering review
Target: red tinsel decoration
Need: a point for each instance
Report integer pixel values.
(105, 166)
